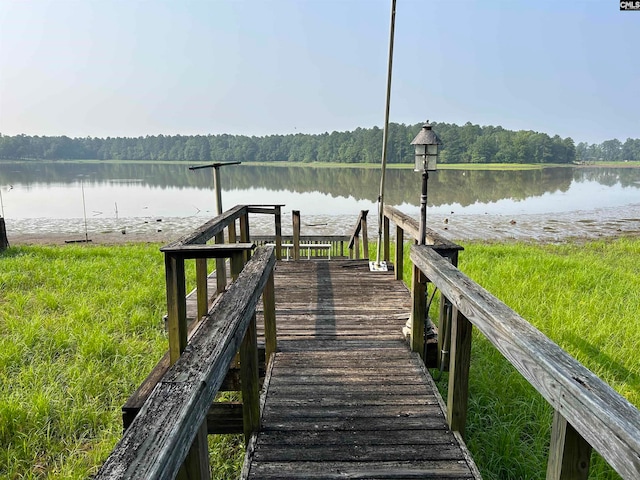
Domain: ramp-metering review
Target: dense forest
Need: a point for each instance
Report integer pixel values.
(461, 144)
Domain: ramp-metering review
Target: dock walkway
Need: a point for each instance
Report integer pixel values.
(344, 396)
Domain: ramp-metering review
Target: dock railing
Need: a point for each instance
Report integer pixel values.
(408, 227)
(168, 419)
(588, 412)
(359, 237)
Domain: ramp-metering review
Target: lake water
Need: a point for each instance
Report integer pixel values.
(547, 204)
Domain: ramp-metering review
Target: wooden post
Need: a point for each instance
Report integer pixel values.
(176, 306)
(458, 392)
(221, 267)
(249, 381)
(278, 221)
(269, 305)
(445, 318)
(202, 290)
(295, 219)
(385, 232)
(4, 243)
(237, 264)
(244, 234)
(196, 464)
(569, 453)
(356, 246)
(418, 297)
(365, 238)
(233, 237)
(399, 260)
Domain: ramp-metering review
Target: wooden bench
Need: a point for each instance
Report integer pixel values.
(307, 246)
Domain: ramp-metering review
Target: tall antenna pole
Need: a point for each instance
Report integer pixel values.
(84, 209)
(385, 135)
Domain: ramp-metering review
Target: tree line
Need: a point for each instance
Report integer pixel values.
(468, 143)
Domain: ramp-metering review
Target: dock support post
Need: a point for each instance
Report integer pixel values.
(176, 306)
(445, 319)
(202, 289)
(278, 220)
(221, 267)
(399, 260)
(244, 234)
(418, 297)
(458, 392)
(233, 237)
(385, 230)
(569, 453)
(365, 238)
(249, 381)
(295, 219)
(196, 464)
(269, 304)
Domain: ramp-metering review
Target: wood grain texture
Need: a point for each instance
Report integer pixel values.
(346, 397)
(157, 441)
(606, 420)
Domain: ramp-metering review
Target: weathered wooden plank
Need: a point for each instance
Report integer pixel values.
(411, 226)
(399, 413)
(339, 424)
(354, 399)
(605, 419)
(209, 229)
(309, 391)
(221, 250)
(400, 438)
(361, 470)
(339, 381)
(364, 453)
(158, 439)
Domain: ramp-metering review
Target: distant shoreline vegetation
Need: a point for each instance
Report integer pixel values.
(467, 144)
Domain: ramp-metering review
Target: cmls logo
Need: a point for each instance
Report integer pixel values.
(629, 5)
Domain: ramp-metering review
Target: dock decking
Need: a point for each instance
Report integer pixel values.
(344, 396)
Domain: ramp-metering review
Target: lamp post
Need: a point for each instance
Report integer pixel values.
(427, 145)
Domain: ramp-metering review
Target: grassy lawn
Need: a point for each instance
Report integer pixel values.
(81, 327)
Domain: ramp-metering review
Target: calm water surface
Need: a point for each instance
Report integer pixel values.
(548, 204)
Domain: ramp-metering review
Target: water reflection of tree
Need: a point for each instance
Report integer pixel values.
(445, 186)
(626, 177)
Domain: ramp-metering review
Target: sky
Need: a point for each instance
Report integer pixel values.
(132, 68)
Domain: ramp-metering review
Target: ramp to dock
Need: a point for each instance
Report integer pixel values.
(344, 396)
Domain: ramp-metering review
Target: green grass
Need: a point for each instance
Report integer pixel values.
(586, 298)
(81, 328)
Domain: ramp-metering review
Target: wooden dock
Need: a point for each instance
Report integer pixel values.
(344, 396)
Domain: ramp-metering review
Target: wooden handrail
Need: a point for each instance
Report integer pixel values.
(357, 229)
(411, 227)
(602, 417)
(354, 240)
(158, 440)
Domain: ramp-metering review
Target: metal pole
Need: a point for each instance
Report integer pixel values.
(423, 209)
(84, 208)
(385, 132)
